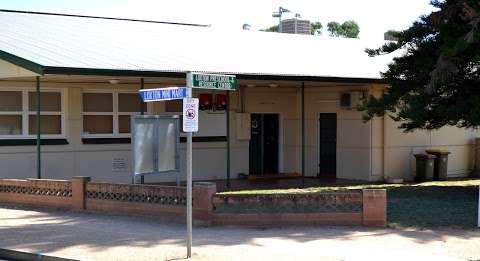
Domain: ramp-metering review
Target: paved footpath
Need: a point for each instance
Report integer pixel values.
(93, 236)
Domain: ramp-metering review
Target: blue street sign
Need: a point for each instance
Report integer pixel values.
(163, 94)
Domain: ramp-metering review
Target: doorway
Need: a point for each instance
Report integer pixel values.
(264, 143)
(328, 145)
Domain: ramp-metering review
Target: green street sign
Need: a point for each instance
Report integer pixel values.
(212, 81)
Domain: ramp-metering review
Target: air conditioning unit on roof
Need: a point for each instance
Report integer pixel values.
(351, 100)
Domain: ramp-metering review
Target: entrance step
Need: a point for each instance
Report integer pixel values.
(271, 177)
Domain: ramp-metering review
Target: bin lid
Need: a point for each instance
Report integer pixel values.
(438, 151)
(425, 156)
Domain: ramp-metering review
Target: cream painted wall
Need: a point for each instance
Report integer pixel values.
(11, 70)
(360, 146)
(354, 137)
(377, 150)
(400, 148)
(65, 161)
(283, 101)
(396, 159)
(76, 158)
(354, 159)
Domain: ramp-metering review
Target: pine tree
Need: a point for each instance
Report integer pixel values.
(436, 80)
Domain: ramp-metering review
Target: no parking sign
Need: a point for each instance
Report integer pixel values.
(190, 115)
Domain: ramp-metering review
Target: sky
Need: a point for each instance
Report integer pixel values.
(373, 16)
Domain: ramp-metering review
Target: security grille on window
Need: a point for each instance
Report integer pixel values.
(18, 117)
(108, 113)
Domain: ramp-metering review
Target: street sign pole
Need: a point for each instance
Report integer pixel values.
(190, 124)
(189, 187)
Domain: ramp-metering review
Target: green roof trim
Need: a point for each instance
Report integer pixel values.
(306, 78)
(21, 62)
(171, 74)
(110, 72)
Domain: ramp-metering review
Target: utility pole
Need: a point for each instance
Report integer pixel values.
(278, 14)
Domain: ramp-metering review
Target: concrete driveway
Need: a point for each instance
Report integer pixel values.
(93, 236)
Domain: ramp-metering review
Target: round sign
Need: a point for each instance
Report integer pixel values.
(190, 114)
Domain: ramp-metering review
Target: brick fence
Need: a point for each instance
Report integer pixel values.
(353, 207)
(362, 207)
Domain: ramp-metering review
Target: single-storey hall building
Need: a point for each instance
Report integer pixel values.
(294, 110)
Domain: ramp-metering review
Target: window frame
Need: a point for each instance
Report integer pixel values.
(26, 113)
(114, 113)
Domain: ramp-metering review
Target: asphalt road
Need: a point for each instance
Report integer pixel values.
(94, 236)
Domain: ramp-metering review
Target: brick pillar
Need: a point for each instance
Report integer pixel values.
(374, 207)
(79, 191)
(202, 200)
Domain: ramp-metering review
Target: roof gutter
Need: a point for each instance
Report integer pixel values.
(111, 72)
(303, 78)
(178, 74)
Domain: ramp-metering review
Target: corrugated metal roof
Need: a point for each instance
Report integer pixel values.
(106, 44)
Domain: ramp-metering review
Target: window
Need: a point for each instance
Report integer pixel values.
(50, 113)
(18, 117)
(107, 114)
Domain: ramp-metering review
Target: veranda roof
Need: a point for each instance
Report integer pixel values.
(60, 44)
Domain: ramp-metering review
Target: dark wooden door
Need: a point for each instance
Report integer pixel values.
(256, 141)
(264, 143)
(328, 145)
(270, 143)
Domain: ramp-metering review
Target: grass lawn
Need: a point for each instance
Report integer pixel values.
(422, 205)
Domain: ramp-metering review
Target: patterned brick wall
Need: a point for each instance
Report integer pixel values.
(352, 207)
(360, 207)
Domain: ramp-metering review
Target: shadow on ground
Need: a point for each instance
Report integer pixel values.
(47, 230)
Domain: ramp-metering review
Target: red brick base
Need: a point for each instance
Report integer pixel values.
(288, 219)
(138, 199)
(375, 207)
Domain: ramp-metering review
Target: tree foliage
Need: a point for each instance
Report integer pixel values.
(348, 29)
(335, 29)
(436, 82)
(273, 28)
(316, 28)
